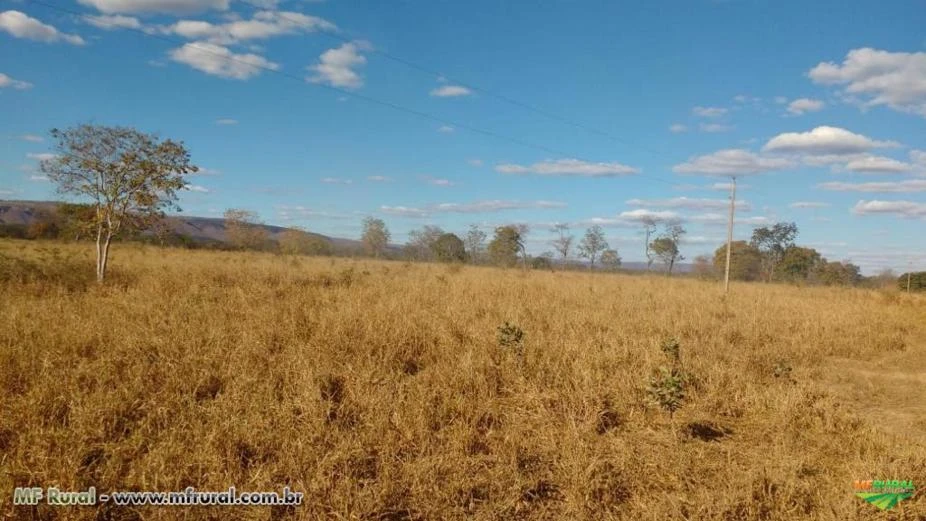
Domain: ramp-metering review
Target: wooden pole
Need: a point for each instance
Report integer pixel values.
(726, 277)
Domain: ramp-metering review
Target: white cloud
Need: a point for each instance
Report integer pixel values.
(110, 22)
(909, 186)
(295, 213)
(336, 66)
(220, 61)
(823, 140)
(451, 91)
(226, 121)
(403, 211)
(42, 156)
(6, 81)
(32, 138)
(802, 105)
(177, 7)
(715, 127)
(781, 100)
(677, 128)
(438, 182)
(640, 215)
(689, 203)
(808, 204)
(904, 209)
(336, 181)
(474, 207)
(895, 79)
(878, 164)
(718, 219)
(264, 24)
(478, 162)
(918, 157)
(379, 178)
(197, 188)
(22, 25)
(569, 167)
(709, 112)
(445, 129)
(38, 178)
(731, 162)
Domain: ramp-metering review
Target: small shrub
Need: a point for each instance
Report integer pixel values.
(511, 337)
(666, 389)
(672, 349)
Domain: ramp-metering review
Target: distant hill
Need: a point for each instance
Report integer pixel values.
(199, 229)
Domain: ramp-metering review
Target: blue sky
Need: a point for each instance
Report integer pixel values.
(818, 107)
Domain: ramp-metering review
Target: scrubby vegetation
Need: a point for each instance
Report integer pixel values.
(392, 391)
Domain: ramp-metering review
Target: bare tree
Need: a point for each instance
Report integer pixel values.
(666, 248)
(244, 230)
(375, 236)
(420, 245)
(649, 228)
(563, 242)
(475, 243)
(129, 178)
(592, 244)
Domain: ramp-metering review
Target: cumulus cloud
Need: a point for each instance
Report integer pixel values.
(336, 181)
(8, 82)
(569, 167)
(22, 25)
(824, 140)
(336, 67)
(895, 79)
(487, 206)
(677, 128)
(714, 127)
(445, 129)
(226, 121)
(709, 112)
(689, 203)
(451, 91)
(438, 182)
(640, 215)
(731, 162)
(808, 204)
(478, 162)
(197, 188)
(379, 178)
(263, 25)
(802, 105)
(878, 165)
(176, 7)
(908, 186)
(904, 209)
(32, 138)
(220, 61)
(110, 22)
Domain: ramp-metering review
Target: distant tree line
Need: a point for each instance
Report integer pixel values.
(771, 255)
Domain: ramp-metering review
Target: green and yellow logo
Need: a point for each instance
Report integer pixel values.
(884, 494)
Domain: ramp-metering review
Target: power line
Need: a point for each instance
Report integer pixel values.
(507, 99)
(363, 97)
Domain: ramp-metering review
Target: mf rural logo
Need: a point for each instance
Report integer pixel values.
(884, 494)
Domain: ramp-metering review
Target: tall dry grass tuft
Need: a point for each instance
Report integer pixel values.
(394, 391)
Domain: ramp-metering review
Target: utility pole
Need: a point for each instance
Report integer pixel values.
(726, 277)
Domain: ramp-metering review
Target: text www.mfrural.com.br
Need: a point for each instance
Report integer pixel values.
(188, 497)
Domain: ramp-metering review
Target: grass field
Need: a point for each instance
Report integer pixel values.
(383, 390)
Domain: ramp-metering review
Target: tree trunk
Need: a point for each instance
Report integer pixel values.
(109, 239)
(99, 254)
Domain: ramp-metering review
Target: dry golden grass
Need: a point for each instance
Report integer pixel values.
(379, 389)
